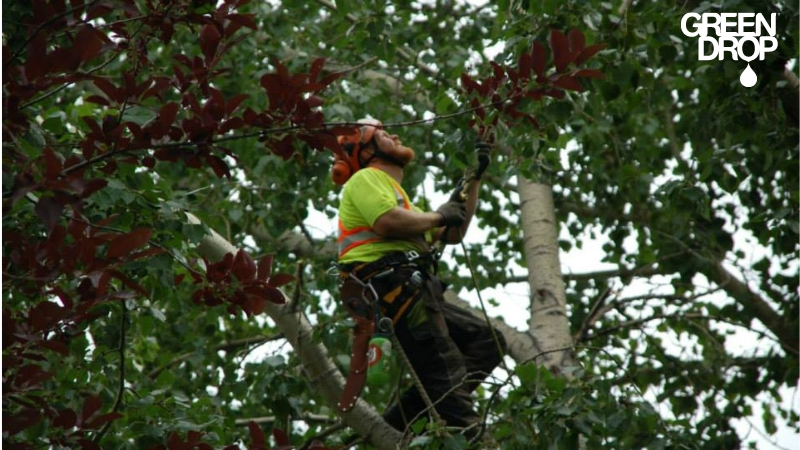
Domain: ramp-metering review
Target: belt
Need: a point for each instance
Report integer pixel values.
(364, 271)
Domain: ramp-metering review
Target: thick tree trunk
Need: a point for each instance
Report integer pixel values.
(320, 371)
(548, 324)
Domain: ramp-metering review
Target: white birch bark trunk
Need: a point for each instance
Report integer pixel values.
(548, 325)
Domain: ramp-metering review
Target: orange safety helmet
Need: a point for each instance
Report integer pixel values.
(344, 168)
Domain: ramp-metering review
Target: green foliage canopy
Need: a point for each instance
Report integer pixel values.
(120, 116)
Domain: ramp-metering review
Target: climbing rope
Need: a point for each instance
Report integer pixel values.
(417, 381)
(480, 301)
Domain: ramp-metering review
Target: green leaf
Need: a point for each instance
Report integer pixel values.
(556, 384)
(455, 442)
(528, 372)
(165, 378)
(138, 114)
(194, 232)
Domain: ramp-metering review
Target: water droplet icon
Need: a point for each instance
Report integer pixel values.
(748, 78)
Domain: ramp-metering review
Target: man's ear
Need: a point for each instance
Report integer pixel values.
(366, 152)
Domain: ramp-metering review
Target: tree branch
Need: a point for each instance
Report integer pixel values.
(402, 52)
(753, 304)
(520, 344)
(306, 417)
(635, 323)
(121, 378)
(41, 26)
(254, 340)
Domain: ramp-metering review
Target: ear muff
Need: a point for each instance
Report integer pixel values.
(341, 171)
(344, 168)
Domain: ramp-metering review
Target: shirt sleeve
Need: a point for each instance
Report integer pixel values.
(371, 193)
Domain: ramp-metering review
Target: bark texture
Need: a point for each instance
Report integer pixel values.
(548, 325)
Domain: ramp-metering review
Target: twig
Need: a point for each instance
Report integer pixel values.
(64, 86)
(600, 308)
(33, 199)
(492, 398)
(323, 434)
(417, 382)
(637, 322)
(763, 435)
(121, 379)
(402, 52)
(42, 25)
(307, 417)
(546, 352)
(431, 405)
(224, 346)
(260, 134)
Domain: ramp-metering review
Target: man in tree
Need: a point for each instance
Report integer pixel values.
(388, 270)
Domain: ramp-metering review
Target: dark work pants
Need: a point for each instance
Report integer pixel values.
(451, 352)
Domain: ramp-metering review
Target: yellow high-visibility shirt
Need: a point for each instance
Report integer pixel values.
(367, 195)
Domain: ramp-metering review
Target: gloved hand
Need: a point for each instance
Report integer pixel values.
(453, 214)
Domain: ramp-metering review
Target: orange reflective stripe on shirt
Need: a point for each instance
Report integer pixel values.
(401, 200)
(350, 239)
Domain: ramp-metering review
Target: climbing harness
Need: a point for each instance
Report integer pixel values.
(377, 293)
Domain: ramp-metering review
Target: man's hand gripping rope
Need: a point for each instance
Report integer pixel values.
(454, 211)
(473, 174)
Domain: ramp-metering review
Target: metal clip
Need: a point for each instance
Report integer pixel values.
(384, 273)
(416, 279)
(367, 287)
(385, 325)
(334, 270)
(412, 255)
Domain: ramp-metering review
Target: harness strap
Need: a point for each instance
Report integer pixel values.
(425, 262)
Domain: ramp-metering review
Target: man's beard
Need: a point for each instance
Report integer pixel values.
(402, 154)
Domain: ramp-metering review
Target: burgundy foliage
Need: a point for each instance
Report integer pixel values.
(63, 47)
(241, 283)
(532, 79)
